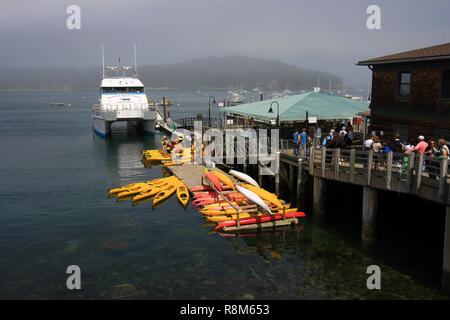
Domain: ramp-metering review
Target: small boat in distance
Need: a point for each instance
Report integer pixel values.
(58, 104)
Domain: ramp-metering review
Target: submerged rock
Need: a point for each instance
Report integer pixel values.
(114, 245)
(121, 291)
(71, 245)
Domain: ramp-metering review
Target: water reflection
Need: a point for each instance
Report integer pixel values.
(268, 244)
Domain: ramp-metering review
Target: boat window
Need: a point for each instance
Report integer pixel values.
(107, 90)
(122, 89)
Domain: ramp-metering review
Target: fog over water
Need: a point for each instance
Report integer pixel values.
(325, 35)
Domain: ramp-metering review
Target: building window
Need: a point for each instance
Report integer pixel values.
(404, 87)
(445, 84)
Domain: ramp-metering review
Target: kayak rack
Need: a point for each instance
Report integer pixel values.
(254, 226)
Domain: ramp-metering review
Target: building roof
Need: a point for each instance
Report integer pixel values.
(364, 113)
(294, 107)
(437, 52)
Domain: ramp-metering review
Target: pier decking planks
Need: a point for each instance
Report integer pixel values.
(191, 174)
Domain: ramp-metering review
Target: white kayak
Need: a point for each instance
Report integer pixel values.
(244, 177)
(253, 197)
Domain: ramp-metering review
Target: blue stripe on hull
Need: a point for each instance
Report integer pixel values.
(99, 133)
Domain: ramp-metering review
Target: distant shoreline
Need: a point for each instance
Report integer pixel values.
(169, 88)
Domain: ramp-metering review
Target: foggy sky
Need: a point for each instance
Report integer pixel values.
(326, 35)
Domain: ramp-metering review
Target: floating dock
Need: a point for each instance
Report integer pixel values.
(192, 176)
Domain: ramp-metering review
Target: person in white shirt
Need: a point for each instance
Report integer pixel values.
(368, 144)
(343, 131)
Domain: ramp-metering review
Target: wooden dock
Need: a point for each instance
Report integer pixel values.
(191, 174)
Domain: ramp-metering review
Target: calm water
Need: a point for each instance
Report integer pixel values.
(55, 212)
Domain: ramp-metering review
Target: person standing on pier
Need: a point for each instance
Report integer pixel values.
(368, 144)
(302, 141)
(443, 150)
(420, 147)
(329, 137)
(350, 131)
(295, 141)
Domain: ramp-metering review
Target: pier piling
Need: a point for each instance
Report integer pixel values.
(446, 259)
(369, 214)
(319, 195)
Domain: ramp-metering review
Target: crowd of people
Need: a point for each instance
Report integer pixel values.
(432, 149)
(342, 138)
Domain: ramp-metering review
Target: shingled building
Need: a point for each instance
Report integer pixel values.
(411, 93)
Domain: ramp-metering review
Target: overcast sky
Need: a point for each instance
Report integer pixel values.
(327, 35)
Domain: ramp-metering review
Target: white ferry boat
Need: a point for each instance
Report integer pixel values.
(123, 98)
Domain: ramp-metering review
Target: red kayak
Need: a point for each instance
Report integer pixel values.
(213, 178)
(205, 202)
(213, 194)
(260, 219)
(232, 197)
(207, 188)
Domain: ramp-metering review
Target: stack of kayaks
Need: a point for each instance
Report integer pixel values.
(255, 204)
(160, 155)
(159, 190)
(218, 199)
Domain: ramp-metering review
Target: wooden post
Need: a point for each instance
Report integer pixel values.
(291, 177)
(419, 169)
(311, 161)
(352, 165)
(369, 167)
(277, 174)
(164, 105)
(319, 195)
(388, 170)
(410, 172)
(299, 179)
(260, 174)
(443, 181)
(369, 214)
(282, 145)
(323, 160)
(446, 257)
(245, 158)
(337, 155)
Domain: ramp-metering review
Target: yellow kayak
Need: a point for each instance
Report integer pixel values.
(232, 217)
(265, 195)
(148, 193)
(140, 187)
(165, 192)
(224, 179)
(183, 194)
(137, 185)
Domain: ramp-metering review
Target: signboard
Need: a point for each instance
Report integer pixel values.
(312, 119)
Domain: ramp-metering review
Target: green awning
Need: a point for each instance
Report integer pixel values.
(294, 107)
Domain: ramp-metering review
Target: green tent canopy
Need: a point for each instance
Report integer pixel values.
(294, 107)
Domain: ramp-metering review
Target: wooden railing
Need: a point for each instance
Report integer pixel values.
(408, 173)
(188, 123)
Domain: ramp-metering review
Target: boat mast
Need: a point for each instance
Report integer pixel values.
(135, 61)
(103, 63)
(329, 83)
